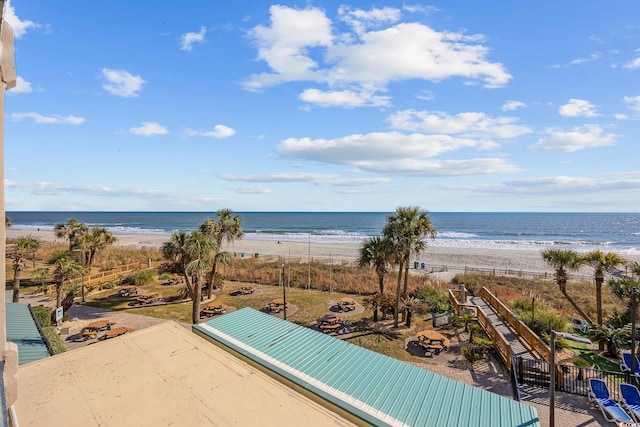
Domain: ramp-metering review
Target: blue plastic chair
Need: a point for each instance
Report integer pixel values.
(626, 363)
(611, 409)
(631, 399)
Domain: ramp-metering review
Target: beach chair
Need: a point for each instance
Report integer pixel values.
(625, 365)
(631, 399)
(612, 411)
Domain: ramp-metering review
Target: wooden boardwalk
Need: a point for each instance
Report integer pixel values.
(517, 347)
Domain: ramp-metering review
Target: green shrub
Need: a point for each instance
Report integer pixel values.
(581, 363)
(55, 342)
(144, 277)
(472, 353)
(42, 315)
(545, 319)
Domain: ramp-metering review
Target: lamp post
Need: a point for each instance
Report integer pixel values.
(634, 291)
(552, 381)
(284, 291)
(83, 301)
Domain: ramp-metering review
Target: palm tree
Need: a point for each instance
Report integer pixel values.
(24, 247)
(93, 242)
(200, 249)
(381, 302)
(227, 227)
(64, 269)
(407, 229)
(562, 260)
(175, 250)
(71, 231)
(602, 262)
(613, 338)
(376, 252)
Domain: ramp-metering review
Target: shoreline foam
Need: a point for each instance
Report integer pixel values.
(453, 258)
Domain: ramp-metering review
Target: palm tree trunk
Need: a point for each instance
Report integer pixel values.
(59, 294)
(213, 279)
(405, 287)
(585, 316)
(398, 287)
(599, 308)
(195, 314)
(16, 286)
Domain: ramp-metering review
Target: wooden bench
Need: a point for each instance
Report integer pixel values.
(128, 291)
(89, 334)
(115, 332)
(433, 349)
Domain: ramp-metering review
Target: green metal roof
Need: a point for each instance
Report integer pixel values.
(22, 330)
(377, 388)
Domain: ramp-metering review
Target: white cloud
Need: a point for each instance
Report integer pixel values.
(632, 102)
(218, 132)
(589, 136)
(633, 64)
(149, 129)
(302, 45)
(20, 27)
(250, 189)
(422, 167)
(590, 58)
(22, 86)
(578, 108)
(343, 98)
(620, 116)
(513, 105)
(122, 83)
(374, 147)
(189, 39)
(569, 185)
(313, 178)
(468, 124)
(47, 120)
(360, 19)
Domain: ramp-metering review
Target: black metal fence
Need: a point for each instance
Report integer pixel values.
(569, 378)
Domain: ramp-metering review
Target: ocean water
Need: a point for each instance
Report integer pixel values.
(615, 232)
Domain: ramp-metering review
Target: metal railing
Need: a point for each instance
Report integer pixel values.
(569, 378)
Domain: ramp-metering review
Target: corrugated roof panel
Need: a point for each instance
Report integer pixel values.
(379, 389)
(22, 330)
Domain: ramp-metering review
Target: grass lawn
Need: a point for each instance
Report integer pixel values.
(598, 362)
(310, 304)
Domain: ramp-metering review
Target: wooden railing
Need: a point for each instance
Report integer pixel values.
(461, 307)
(114, 274)
(499, 341)
(533, 341)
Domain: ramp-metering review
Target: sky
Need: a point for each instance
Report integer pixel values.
(450, 106)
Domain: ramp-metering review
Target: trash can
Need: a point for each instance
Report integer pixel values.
(423, 266)
(415, 265)
(242, 255)
(256, 255)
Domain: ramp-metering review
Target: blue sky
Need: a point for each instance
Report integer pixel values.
(324, 106)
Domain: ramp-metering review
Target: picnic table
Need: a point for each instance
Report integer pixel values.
(246, 290)
(433, 342)
(127, 291)
(212, 309)
(347, 304)
(148, 299)
(116, 332)
(100, 325)
(330, 322)
(278, 304)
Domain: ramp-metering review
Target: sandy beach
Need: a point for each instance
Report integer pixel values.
(435, 257)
